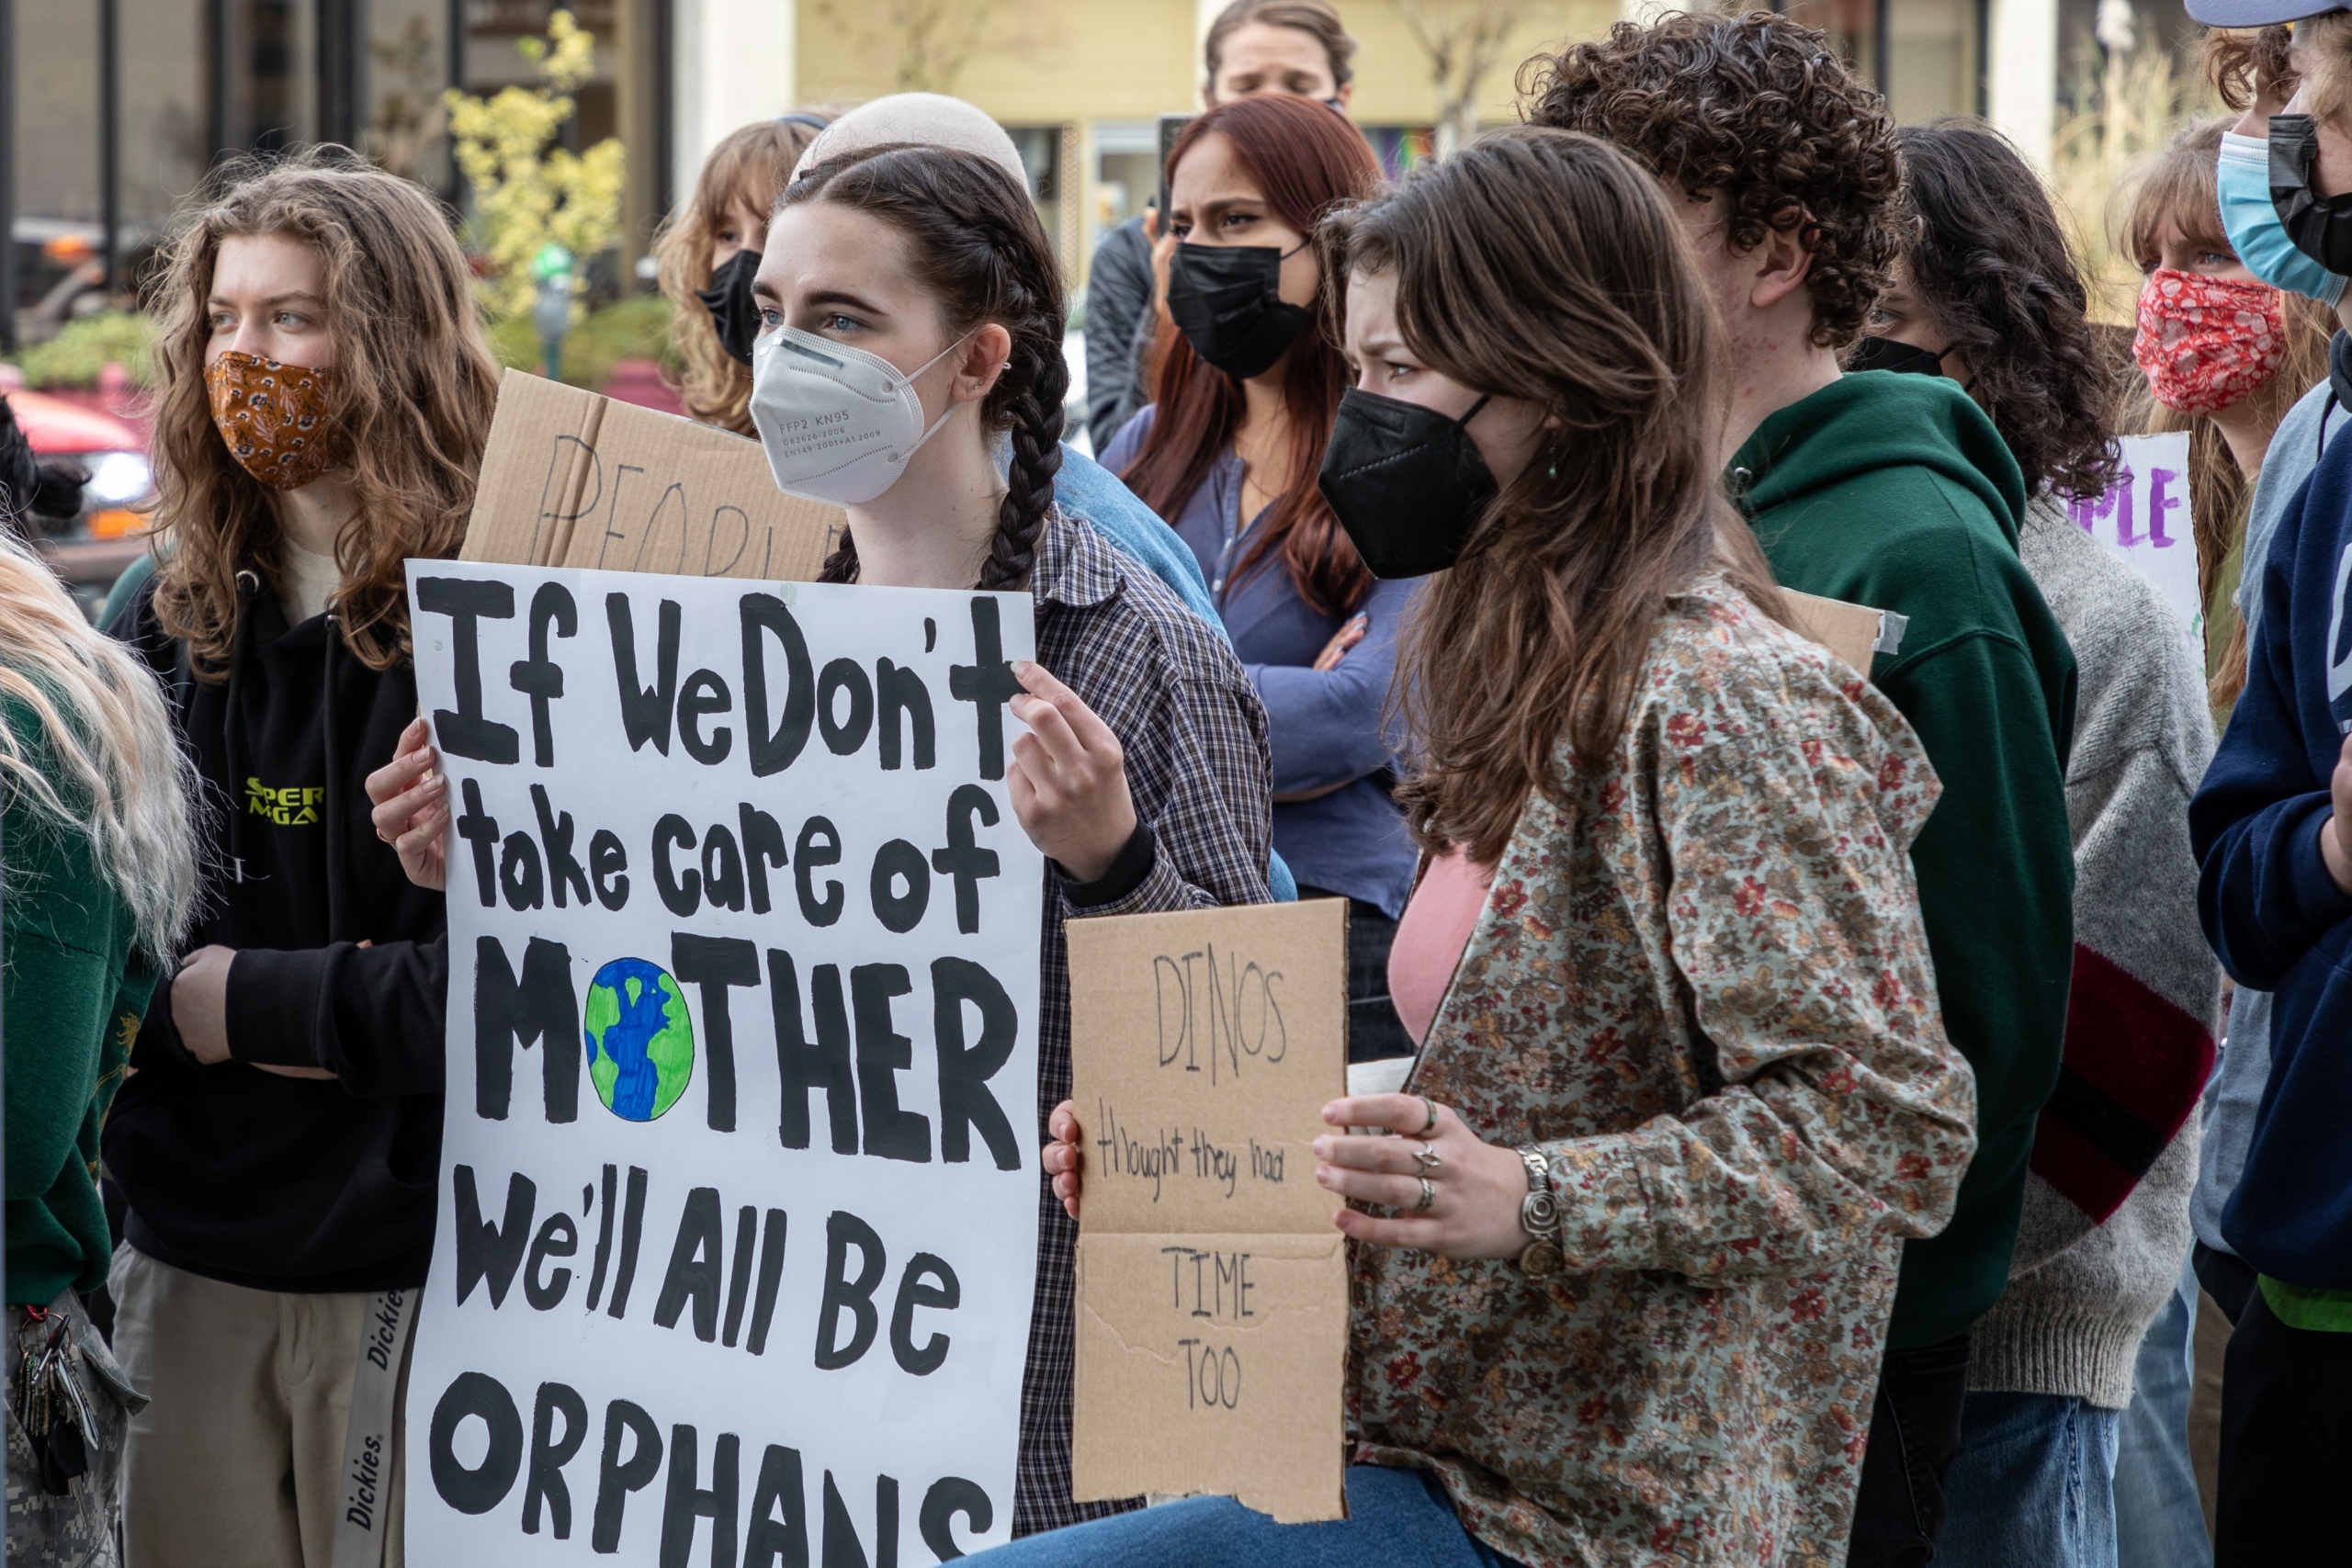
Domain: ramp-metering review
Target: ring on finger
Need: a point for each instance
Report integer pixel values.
(1430, 1130)
(1429, 1196)
(1427, 1159)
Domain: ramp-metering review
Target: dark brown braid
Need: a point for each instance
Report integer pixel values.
(976, 242)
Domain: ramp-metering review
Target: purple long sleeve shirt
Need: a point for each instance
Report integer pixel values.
(1325, 726)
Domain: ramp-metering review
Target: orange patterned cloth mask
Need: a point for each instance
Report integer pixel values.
(274, 418)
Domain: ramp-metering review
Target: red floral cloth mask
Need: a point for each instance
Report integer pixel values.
(274, 418)
(2205, 342)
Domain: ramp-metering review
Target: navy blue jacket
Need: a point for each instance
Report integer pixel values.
(2270, 909)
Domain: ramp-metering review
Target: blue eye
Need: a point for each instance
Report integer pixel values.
(770, 319)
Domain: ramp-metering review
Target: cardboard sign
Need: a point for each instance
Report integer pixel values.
(1212, 1289)
(1853, 632)
(572, 478)
(737, 1227)
(2144, 517)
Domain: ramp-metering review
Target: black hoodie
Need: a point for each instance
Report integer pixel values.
(272, 1182)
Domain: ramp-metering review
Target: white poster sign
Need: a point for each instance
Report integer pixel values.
(2144, 518)
(738, 1182)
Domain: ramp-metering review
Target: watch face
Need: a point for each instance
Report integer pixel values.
(1541, 1260)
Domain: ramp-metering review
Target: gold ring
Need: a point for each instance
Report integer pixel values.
(1425, 1131)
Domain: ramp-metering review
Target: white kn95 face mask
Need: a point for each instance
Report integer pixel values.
(838, 423)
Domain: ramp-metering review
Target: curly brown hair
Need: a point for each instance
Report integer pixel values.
(1991, 261)
(414, 389)
(1761, 110)
(2243, 65)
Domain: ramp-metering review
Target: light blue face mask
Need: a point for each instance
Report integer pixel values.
(2242, 179)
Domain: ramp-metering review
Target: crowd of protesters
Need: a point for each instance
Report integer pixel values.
(1798, 1114)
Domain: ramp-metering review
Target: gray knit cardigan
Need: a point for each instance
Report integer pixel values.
(2080, 1296)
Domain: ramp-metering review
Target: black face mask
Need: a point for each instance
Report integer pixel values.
(2319, 226)
(1404, 481)
(1903, 358)
(732, 310)
(1226, 299)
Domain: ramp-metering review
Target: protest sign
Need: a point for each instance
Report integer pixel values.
(737, 1227)
(572, 478)
(1212, 1308)
(1855, 633)
(2144, 518)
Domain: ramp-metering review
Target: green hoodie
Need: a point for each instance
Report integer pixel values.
(1895, 491)
(74, 992)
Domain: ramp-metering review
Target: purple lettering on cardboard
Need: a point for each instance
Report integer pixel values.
(2121, 494)
(2159, 504)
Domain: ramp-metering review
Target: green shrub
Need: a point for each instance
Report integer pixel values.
(633, 328)
(83, 347)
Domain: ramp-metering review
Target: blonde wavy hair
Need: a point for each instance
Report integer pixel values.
(750, 166)
(107, 763)
(414, 386)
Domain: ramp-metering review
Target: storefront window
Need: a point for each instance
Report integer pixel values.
(1126, 172)
(1040, 147)
(55, 59)
(402, 124)
(268, 50)
(164, 143)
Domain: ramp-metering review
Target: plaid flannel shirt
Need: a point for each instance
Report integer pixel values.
(1201, 776)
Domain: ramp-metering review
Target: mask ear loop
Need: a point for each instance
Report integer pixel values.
(945, 414)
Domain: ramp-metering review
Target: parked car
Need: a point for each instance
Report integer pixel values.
(90, 549)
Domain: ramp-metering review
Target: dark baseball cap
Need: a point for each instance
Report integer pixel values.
(2259, 13)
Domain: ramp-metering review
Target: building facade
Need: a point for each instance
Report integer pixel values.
(117, 108)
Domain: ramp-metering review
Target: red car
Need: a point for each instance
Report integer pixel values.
(89, 551)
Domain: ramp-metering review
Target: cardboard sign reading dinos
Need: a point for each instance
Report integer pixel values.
(738, 1217)
(1212, 1307)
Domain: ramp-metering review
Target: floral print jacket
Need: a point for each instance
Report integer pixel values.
(1703, 989)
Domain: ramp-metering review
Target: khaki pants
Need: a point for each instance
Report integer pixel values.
(237, 1462)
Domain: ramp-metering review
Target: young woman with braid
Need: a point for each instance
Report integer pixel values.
(1143, 776)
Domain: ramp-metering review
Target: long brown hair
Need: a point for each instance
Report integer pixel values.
(1543, 264)
(412, 389)
(1305, 158)
(1993, 262)
(2177, 189)
(748, 166)
(975, 241)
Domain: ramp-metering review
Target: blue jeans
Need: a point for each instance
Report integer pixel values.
(2158, 1521)
(2034, 1484)
(1393, 1515)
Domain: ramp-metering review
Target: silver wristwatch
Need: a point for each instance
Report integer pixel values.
(1539, 1216)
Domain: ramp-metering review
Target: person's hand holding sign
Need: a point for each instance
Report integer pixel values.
(1447, 1190)
(411, 807)
(1067, 777)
